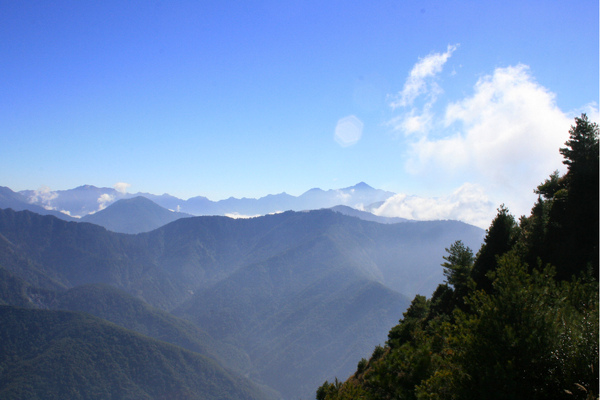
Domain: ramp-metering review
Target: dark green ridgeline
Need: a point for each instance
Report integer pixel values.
(67, 355)
(519, 320)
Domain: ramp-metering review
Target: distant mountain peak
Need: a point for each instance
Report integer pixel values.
(134, 215)
(361, 186)
(86, 187)
(135, 200)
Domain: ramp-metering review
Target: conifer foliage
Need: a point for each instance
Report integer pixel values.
(517, 321)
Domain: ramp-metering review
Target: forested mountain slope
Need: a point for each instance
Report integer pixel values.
(116, 306)
(65, 355)
(68, 254)
(164, 266)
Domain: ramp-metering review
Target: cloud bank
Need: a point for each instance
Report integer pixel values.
(468, 203)
(502, 140)
(43, 196)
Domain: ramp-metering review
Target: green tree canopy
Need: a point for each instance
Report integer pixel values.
(581, 151)
(572, 237)
(500, 238)
(458, 265)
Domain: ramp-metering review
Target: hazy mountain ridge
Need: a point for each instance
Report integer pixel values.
(129, 213)
(133, 215)
(285, 317)
(79, 201)
(280, 287)
(366, 215)
(162, 266)
(87, 199)
(21, 201)
(74, 253)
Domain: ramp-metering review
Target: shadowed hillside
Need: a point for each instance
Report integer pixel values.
(65, 355)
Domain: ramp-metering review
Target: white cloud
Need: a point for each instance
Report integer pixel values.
(104, 200)
(416, 83)
(360, 207)
(236, 215)
(348, 130)
(121, 187)
(468, 203)
(413, 121)
(503, 139)
(66, 212)
(420, 82)
(44, 197)
(505, 136)
(343, 197)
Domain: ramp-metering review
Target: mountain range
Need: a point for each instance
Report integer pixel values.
(265, 296)
(133, 214)
(19, 202)
(279, 302)
(88, 199)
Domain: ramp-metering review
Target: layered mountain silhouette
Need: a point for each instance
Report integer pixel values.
(88, 199)
(134, 215)
(20, 202)
(288, 299)
(79, 201)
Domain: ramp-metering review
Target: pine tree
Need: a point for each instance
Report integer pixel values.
(499, 239)
(572, 239)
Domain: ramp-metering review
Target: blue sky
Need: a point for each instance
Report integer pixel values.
(457, 106)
